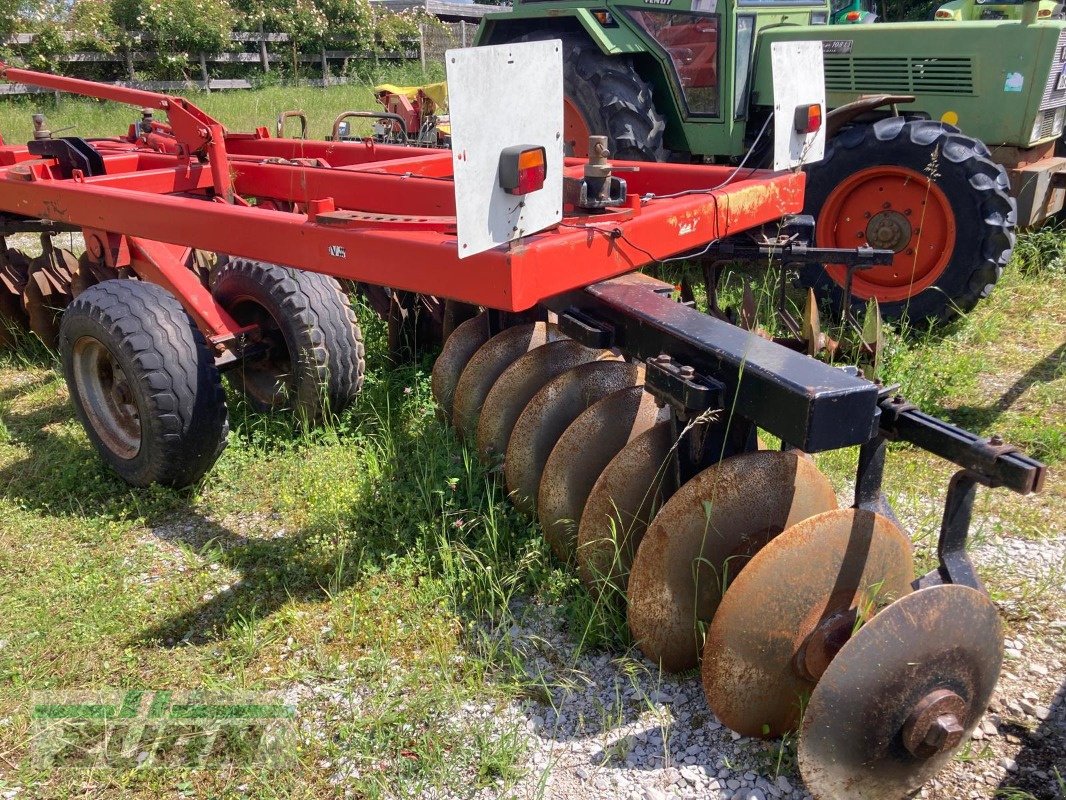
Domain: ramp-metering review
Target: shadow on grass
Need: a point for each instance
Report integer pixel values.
(1049, 368)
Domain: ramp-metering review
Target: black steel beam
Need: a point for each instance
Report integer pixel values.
(808, 404)
(990, 462)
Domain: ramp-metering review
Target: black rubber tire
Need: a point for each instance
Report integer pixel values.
(305, 314)
(977, 189)
(170, 373)
(612, 97)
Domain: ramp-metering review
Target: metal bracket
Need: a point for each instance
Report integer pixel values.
(72, 154)
(586, 329)
(984, 462)
(682, 388)
(594, 193)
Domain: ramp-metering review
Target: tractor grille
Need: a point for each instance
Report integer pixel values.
(1053, 95)
(904, 74)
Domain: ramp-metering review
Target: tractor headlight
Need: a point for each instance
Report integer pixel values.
(1048, 125)
(818, 18)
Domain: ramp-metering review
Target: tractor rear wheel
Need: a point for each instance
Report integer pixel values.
(924, 190)
(605, 96)
(313, 362)
(143, 382)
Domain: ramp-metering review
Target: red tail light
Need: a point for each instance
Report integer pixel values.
(808, 118)
(523, 168)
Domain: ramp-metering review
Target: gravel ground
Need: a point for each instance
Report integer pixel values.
(613, 726)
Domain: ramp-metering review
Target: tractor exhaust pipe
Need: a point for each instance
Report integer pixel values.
(1029, 10)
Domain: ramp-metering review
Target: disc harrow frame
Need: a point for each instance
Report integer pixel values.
(150, 203)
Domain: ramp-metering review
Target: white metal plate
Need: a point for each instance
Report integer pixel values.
(799, 79)
(500, 96)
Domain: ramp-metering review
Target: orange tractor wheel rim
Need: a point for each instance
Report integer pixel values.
(576, 130)
(894, 208)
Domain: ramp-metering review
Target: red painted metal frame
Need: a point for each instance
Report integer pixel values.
(367, 212)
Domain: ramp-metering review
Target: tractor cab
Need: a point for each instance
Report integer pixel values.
(853, 12)
(696, 57)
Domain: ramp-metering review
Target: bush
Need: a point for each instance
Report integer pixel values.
(181, 29)
(184, 27)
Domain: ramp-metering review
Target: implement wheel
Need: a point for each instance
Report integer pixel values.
(605, 96)
(143, 382)
(927, 192)
(313, 363)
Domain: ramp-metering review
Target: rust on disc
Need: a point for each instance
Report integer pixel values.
(487, 364)
(549, 413)
(13, 320)
(458, 348)
(792, 608)
(581, 454)
(47, 292)
(516, 386)
(936, 643)
(624, 499)
(701, 538)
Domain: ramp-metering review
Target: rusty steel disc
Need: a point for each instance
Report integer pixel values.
(486, 366)
(516, 386)
(13, 319)
(784, 617)
(581, 454)
(549, 413)
(902, 695)
(624, 499)
(458, 348)
(701, 538)
(47, 293)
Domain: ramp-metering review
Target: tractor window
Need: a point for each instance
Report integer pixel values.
(745, 35)
(691, 42)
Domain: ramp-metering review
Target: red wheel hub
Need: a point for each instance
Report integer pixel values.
(893, 208)
(575, 130)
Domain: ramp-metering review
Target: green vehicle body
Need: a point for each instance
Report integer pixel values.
(978, 10)
(1000, 82)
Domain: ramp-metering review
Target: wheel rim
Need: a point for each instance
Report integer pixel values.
(576, 130)
(269, 378)
(107, 397)
(895, 208)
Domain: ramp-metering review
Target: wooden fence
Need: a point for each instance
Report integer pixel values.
(454, 31)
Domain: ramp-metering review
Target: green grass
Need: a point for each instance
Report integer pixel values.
(239, 110)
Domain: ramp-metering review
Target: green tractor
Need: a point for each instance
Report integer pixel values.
(691, 80)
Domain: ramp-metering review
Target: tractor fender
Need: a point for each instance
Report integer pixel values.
(842, 115)
(499, 28)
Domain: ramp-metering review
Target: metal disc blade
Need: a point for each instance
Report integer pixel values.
(458, 348)
(624, 499)
(487, 364)
(549, 413)
(516, 386)
(580, 455)
(864, 714)
(701, 538)
(816, 570)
